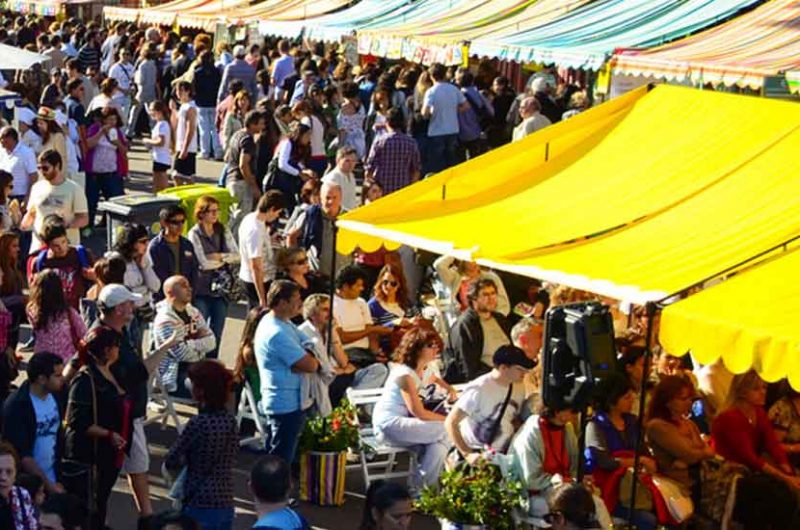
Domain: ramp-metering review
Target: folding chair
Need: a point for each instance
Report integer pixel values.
(385, 466)
(164, 404)
(248, 409)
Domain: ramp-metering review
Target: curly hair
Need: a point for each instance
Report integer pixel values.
(126, 240)
(411, 345)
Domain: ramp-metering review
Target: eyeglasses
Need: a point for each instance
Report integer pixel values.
(550, 517)
(215, 210)
(391, 283)
(176, 222)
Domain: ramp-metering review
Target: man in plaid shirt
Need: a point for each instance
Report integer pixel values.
(394, 159)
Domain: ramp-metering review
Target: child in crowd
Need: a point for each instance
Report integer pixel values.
(160, 144)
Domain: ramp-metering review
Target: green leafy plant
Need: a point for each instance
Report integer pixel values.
(473, 495)
(334, 433)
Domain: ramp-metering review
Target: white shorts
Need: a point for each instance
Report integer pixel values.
(138, 460)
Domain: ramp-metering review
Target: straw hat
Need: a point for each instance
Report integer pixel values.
(46, 113)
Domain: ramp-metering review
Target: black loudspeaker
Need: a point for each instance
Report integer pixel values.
(579, 351)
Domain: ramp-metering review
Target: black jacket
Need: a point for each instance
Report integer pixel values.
(462, 355)
(19, 423)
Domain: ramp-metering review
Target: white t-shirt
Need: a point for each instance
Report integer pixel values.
(348, 184)
(352, 315)
(20, 162)
(183, 122)
(481, 401)
(161, 152)
(65, 200)
(44, 446)
(493, 338)
(254, 243)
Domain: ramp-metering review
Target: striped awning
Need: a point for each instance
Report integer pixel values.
(742, 52)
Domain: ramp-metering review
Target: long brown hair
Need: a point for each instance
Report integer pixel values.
(13, 279)
(402, 289)
(246, 354)
(47, 301)
(665, 391)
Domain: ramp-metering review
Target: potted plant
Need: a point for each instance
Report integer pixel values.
(472, 498)
(323, 449)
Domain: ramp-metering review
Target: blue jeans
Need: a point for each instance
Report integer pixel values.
(284, 434)
(207, 132)
(442, 152)
(215, 309)
(643, 520)
(211, 518)
(109, 184)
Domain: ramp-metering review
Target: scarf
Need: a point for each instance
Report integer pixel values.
(556, 456)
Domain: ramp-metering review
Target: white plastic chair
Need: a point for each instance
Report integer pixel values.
(248, 410)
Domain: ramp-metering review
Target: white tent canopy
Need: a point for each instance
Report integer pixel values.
(12, 58)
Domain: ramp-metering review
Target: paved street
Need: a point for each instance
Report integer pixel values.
(122, 508)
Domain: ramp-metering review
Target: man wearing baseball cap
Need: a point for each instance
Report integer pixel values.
(487, 413)
(116, 304)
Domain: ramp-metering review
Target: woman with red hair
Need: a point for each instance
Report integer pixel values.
(207, 448)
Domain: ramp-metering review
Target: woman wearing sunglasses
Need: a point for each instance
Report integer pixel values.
(389, 300)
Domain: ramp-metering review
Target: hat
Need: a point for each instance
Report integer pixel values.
(46, 113)
(55, 70)
(512, 356)
(239, 51)
(25, 115)
(114, 294)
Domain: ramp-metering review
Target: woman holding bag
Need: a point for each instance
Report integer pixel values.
(98, 420)
(287, 170)
(215, 248)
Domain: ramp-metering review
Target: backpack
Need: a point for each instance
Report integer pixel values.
(36, 263)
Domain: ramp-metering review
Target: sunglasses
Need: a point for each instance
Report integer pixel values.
(143, 240)
(301, 261)
(176, 222)
(391, 283)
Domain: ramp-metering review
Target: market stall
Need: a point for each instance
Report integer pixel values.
(587, 36)
(742, 52)
(751, 320)
(599, 224)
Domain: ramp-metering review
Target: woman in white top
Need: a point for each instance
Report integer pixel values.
(302, 112)
(400, 419)
(160, 143)
(131, 243)
(185, 166)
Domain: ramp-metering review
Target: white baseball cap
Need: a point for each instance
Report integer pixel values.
(26, 115)
(114, 294)
(239, 51)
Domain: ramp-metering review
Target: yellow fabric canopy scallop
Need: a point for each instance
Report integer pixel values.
(751, 320)
(635, 199)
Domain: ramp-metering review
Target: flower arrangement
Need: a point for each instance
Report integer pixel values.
(475, 495)
(334, 433)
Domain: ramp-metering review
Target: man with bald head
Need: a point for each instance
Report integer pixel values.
(175, 315)
(315, 231)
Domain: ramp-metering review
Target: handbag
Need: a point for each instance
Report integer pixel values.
(487, 436)
(277, 179)
(644, 499)
(680, 506)
(145, 313)
(79, 477)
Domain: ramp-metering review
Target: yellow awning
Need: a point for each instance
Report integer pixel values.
(751, 320)
(681, 184)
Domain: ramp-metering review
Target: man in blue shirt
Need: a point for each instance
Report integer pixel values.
(283, 354)
(270, 483)
(442, 103)
(284, 67)
(32, 420)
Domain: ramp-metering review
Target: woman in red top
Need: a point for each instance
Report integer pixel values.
(743, 432)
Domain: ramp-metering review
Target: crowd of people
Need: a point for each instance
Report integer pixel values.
(304, 136)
